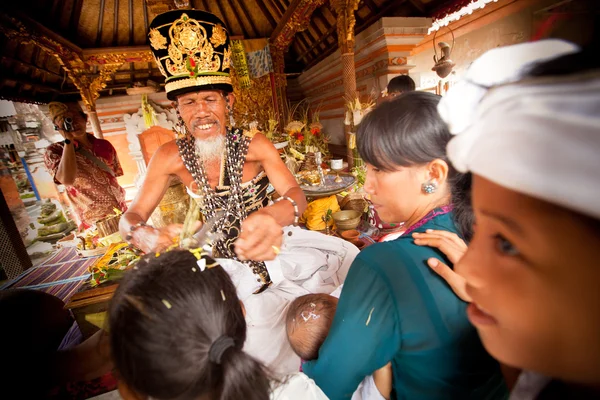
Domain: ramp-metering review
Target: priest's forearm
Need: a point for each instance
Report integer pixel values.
(283, 211)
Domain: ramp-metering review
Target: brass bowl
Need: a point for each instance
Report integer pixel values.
(348, 219)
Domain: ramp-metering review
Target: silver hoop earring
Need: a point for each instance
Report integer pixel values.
(429, 187)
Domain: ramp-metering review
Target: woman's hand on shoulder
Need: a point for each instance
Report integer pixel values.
(454, 248)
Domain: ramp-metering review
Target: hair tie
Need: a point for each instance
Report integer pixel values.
(218, 348)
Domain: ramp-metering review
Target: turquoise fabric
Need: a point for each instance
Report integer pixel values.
(394, 308)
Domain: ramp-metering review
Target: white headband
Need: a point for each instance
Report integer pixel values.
(539, 137)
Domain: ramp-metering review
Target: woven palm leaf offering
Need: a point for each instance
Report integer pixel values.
(112, 266)
(120, 257)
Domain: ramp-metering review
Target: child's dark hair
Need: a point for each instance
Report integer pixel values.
(177, 332)
(401, 84)
(408, 131)
(308, 321)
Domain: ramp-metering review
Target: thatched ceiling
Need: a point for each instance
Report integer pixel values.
(30, 72)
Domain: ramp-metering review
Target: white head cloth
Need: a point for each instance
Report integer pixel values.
(539, 137)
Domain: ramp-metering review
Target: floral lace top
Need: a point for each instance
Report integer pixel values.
(95, 192)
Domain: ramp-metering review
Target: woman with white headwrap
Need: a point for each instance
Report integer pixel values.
(527, 120)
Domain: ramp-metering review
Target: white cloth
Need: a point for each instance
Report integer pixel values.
(297, 387)
(495, 67)
(539, 137)
(367, 390)
(529, 385)
(293, 387)
(309, 262)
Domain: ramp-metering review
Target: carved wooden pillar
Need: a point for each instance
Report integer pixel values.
(90, 91)
(296, 19)
(345, 30)
(277, 55)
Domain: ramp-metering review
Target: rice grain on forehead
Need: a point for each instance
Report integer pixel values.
(210, 149)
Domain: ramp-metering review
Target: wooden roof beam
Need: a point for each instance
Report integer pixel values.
(75, 16)
(323, 38)
(34, 32)
(34, 56)
(357, 30)
(32, 66)
(131, 22)
(277, 8)
(373, 18)
(284, 19)
(28, 82)
(419, 6)
(301, 38)
(237, 18)
(371, 6)
(100, 19)
(115, 40)
(295, 19)
(265, 11)
(242, 5)
(224, 18)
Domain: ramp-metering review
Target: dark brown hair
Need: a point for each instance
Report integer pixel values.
(401, 84)
(164, 318)
(308, 321)
(408, 131)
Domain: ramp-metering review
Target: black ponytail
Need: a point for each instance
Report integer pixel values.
(243, 377)
(164, 319)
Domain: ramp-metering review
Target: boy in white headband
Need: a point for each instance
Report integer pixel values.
(529, 131)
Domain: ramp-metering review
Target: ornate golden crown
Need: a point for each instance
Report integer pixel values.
(192, 51)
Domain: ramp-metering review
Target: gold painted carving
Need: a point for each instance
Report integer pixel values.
(345, 23)
(254, 103)
(90, 87)
(197, 81)
(119, 57)
(219, 36)
(189, 42)
(279, 68)
(297, 22)
(226, 59)
(70, 59)
(157, 41)
(160, 6)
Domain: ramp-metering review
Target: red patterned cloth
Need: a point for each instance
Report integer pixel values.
(84, 390)
(95, 192)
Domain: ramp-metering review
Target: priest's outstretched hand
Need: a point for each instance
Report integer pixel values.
(149, 239)
(260, 239)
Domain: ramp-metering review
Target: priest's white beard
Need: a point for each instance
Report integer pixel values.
(210, 150)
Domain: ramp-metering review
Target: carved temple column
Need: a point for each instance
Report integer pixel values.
(90, 91)
(345, 30)
(96, 128)
(296, 19)
(277, 54)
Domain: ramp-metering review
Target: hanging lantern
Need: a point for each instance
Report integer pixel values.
(443, 64)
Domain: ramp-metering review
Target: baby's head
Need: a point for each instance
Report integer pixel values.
(308, 321)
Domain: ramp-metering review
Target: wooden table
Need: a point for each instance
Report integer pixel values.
(90, 300)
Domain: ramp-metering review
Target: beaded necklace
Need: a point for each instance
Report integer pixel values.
(232, 207)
